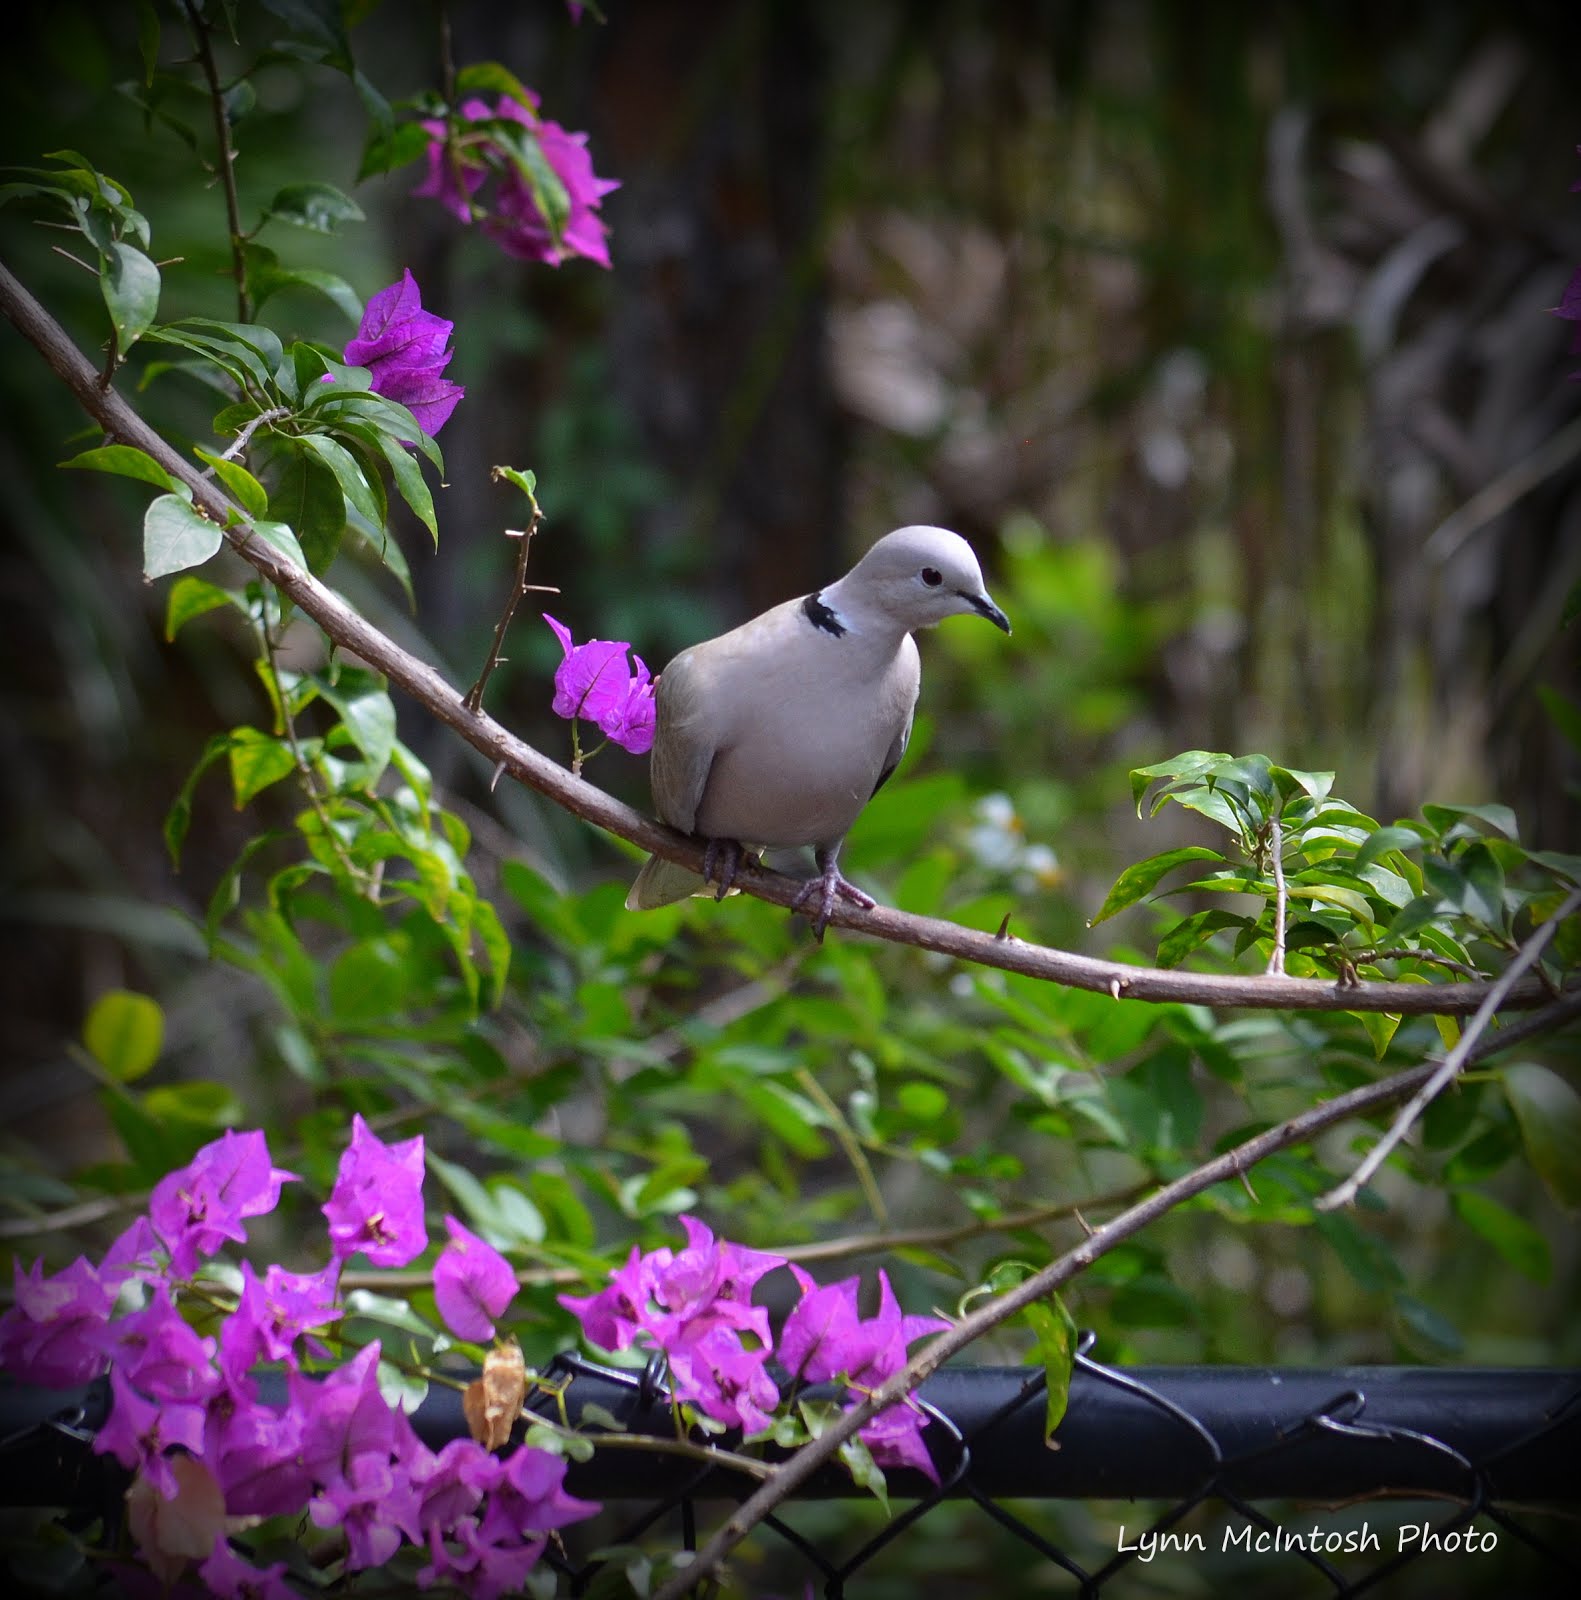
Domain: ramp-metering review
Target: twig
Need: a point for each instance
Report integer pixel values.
(474, 695)
(1405, 953)
(244, 438)
(1446, 1070)
(1232, 1164)
(1276, 959)
(303, 769)
(847, 1140)
(864, 1244)
(353, 632)
(227, 159)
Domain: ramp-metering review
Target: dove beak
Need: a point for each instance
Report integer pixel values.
(985, 607)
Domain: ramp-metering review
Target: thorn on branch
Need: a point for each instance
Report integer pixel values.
(474, 696)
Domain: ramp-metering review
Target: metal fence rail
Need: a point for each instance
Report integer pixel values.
(1481, 1454)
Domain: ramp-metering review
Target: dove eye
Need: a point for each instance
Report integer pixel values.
(932, 577)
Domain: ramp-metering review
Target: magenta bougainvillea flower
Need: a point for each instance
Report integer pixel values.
(458, 168)
(54, 1334)
(825, 1337)
(376, 1205)
(594, 684)
(403, 348)
(197, 1208)
(694, 1305)
(473, 1284)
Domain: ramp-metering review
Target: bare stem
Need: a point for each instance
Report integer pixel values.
(226, 166)
(244, 438)
(474, 696)
(1276, 846)
(847, 1140)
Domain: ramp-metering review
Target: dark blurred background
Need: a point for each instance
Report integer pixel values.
(1223, 332)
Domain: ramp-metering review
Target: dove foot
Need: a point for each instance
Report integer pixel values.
(721, 862)
(828, 887)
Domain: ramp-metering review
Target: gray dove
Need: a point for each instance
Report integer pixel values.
(778, 733)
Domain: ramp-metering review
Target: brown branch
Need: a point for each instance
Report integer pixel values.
(352, 632)
(864, 1244)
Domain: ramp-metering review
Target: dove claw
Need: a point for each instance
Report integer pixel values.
(723, 856)
(829, 886)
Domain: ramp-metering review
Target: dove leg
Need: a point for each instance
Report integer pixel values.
(829, 886)
(721, 857)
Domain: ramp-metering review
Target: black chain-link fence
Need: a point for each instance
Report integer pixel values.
(1192, 1480)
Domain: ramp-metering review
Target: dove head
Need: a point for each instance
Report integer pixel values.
(918, 576)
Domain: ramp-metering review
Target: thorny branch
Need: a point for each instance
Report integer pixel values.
(521, 587)
(352, 632)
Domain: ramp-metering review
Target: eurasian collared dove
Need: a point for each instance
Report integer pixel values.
(777, 733)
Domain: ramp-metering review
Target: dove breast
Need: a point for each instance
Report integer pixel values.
(778, 732)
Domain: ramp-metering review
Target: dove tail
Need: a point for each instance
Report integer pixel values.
(661, 883)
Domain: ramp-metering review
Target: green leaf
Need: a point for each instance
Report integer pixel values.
(320, 207)
(348, 474)
(283, 540)
(366, 710)
(257, 760)
(1426, 1328)
(1056, 1339)
(179, 818)
(251, 353)
(127, 461)
(239, 483)
(1140, 879)
(1549, 1113)
(1292, 781)
(1510, 1234)
(548, 189)
(865, 1472)
(267, 278)
(1190, 764)
(124, 1033)
(386, 151)
(409, 482)
(526, 481)
(1380, 1027)
(131, 291)
(489, 77)
(192, 597)
(369, 982)
(1484, 879)
(1195, 930)
(195, 1100)
(1452, 821)
(175, 537)
(307, 497)
(1393, 837)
